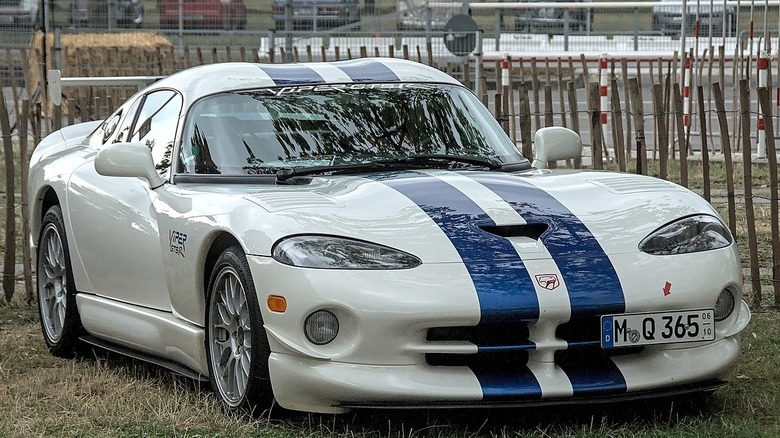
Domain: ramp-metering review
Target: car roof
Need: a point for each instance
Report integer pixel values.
(212, 78)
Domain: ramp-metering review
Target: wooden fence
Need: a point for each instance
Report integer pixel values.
(686, 141)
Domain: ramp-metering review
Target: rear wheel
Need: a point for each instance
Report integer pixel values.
(60, 322)
(236, 343)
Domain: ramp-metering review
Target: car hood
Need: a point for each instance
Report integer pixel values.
(443, 216)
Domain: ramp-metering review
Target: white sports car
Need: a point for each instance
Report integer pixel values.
(363, 234)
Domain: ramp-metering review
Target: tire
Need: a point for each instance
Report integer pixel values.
(238, 369)
(60, 321)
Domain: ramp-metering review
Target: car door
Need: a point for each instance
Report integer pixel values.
(113, 221)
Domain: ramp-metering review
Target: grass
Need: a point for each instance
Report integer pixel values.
(103, 395)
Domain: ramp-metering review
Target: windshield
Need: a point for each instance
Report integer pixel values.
(263, 131)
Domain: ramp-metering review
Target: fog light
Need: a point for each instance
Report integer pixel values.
(321, 327)
(724, 306)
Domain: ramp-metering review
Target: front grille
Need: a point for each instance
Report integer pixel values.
(504, 347)
(483, 334)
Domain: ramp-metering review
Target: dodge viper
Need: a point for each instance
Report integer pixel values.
(331, 236)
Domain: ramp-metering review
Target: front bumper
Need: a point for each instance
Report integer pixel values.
(324, 386)
(385, 355)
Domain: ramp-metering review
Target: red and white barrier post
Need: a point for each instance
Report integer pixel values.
(687, 96)
(763, 66)
(603, 92)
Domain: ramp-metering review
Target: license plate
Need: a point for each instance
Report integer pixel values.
(629, 330)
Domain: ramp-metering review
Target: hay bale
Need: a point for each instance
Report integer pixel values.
(100, 54)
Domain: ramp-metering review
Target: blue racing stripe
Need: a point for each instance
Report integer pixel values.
(291, 74)
(590, 277)
(509, 385)
(364, 71)
(592, 373)
(504, 287)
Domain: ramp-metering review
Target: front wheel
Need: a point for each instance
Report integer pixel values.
(236, 343)
(60, 320)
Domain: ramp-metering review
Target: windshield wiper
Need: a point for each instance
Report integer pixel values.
(286, 173)
(407, 162)
(490, 163)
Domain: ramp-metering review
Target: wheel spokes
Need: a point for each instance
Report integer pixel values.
(230, 337)
(53, 283)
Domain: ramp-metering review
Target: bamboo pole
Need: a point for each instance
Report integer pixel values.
(747, 172)
(765, 100)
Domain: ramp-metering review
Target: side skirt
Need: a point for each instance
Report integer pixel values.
(167, 364)
(147, 333)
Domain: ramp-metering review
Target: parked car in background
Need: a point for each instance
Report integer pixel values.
(668, 19)
(317, 14)
(18, 13)
(200, 14)
(95, 13)
(554, 20)
(413, 15)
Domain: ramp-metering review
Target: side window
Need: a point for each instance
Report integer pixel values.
(156, 126)
(125, 124)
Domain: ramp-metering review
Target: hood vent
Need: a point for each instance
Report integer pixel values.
(534, 231)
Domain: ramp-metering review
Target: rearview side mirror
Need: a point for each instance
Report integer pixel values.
(128, 159)
(555, 143)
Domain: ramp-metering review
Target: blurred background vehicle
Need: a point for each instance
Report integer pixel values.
(18, 13)
(317, 14)
(95, 13)
(554, 20)
(203, 14)
(413, 15)
(668, 19)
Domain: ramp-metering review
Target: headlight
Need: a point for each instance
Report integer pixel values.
(691, 234)
(330, 252)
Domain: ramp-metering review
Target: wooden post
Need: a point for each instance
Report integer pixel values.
(349, 53)
(24, 164)
(765, 100)
(705, 153)
(629, 121)
(663, 139)
(594, 106)
(363, 52)
(9, 261)
(323, 54)
(725, 144)
(535, 89)
(310, 55)
(575, 116)
(419, 54)
(637, 112)
(405, 49)
(429, 49)
(747, 172)
(337, 53)
(525, 121)
(242, 53)
(585, 74)
(617, 127)
(678, 114)
(561, 93)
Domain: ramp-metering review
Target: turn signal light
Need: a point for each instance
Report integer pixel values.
(277, 303)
